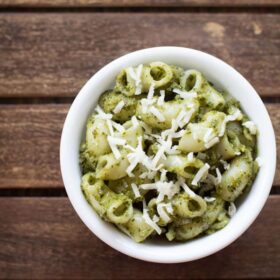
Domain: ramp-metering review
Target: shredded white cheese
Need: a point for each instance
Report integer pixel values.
(137, 156)
(251, 127)
(101, 114)
(135, 190)
(200, 174)
(118, 107)
(168, 189)
(190, 156)
(163, 175)
(184, 94)
(237, 115)
(136, 76)
(225, 164)
(188, 190)
(118, 127)
(208, 135)
(186, 118)
(151, 92)
(212, 142)
(135, 122)
(148, 174)
(231, 209)
(209, 199)
(147, 129)
(113, 142)
(162, 213)
(219, 176)
(158, 156)
(148, 220)
(110, 127)
(157, 113)
(160, 101)
(223, 128)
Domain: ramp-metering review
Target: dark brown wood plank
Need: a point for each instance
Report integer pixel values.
(139, 3)
(53, 54)
(43, 238)
(29, 144)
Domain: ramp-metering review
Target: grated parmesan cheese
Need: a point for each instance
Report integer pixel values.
(163, 175)
(151, 92)
(149, 174)
(147, 129)
(225, 164)
(110, 127)
(136, 76)
(101, 114)
(184, 94)
(137, 156)
(190, 156)
(135, 190)
(118, 107)
(162, 213)
(208, 135)
(160, 101)
(118, 127)
(212, 142)
(168, 189)
(135, 122)
(113, 142)
(219, 176)
(188, 190)
(148, 219)
(237, 115)
(231, 209)
(209, 199)
(157, 114)
(251, 127)
(200, 174)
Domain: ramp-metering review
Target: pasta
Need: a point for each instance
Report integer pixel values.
(166, 153)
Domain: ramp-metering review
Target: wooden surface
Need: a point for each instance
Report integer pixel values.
(139, 3)
(48, 49)
(74, 46)
(44, 237)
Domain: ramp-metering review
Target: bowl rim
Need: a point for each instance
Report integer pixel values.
(102, 232)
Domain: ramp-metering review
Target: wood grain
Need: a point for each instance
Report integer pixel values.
(29, 144)
(39, 59)
(139, 3)
(43, 238)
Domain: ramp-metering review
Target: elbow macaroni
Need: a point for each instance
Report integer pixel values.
(166, 154)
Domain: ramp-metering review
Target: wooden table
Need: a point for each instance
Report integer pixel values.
(48, 49)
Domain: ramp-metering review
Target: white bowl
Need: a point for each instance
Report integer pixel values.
(223, 76)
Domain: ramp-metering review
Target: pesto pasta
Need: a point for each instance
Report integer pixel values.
(166, 153)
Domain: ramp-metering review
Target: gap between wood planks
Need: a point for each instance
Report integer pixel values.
(60, 192)
(69, 100)
(202, 9)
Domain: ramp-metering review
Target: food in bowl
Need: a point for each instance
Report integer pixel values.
(167, 153)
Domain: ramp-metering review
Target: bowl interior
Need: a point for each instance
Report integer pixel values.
(223, 76)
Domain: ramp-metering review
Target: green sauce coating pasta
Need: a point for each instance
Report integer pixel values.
(167, 153)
